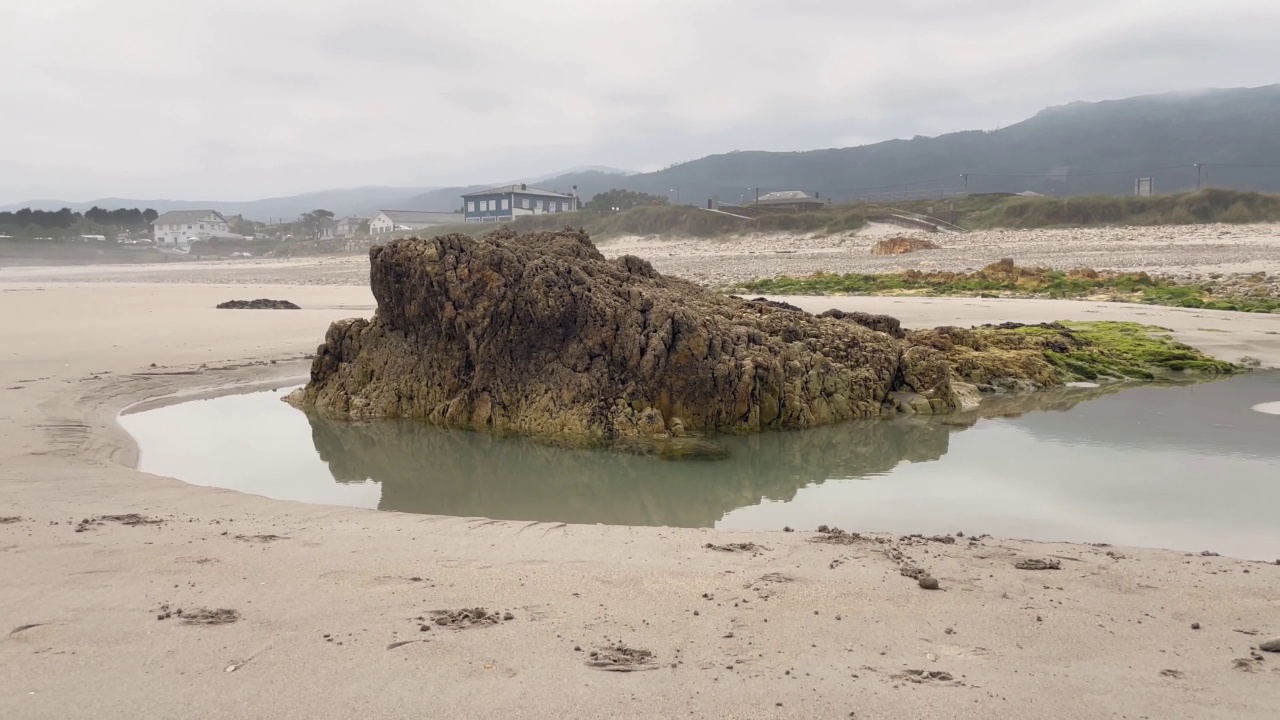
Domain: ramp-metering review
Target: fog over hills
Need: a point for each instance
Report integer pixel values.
(1074, 149)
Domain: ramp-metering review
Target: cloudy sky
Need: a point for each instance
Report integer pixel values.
(240, 99)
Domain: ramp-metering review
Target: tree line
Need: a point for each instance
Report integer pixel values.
(35, 223)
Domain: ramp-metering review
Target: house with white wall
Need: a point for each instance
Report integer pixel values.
(388, 221)
(342, 228)
(176, 226)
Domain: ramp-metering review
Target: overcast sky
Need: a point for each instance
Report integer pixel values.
(242, 99)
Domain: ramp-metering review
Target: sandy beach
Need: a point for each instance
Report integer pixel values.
(107, 571)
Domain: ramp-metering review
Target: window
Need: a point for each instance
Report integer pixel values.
(493, 204)
(564, 206)
(471, 206)
(524, 203)
(188, 227)
(539, 204)
(505, 204)
(201, 226)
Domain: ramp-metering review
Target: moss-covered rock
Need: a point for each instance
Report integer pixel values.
(540, 335)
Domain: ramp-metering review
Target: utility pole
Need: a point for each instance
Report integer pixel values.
(965, 176)
(1198, 166)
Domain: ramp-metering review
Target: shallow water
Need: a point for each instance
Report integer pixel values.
(1189, 467)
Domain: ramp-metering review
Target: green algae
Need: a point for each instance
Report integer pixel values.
(1124, 350)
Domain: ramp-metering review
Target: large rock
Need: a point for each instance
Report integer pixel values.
(541, 335)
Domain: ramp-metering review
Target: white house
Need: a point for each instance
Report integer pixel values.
(175, 226)
(387, 221)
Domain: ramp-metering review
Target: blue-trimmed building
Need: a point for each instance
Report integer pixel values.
(506, 203)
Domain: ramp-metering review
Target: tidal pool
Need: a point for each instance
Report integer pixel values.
(1190, 467)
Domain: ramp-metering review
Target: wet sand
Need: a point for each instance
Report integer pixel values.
(116, 583)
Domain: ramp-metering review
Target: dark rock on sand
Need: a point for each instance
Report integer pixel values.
(1272, 645)
(928, 582)
(540, 335)
(259, 304)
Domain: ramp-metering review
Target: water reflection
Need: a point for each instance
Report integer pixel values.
(1188, 467)
(429, 470)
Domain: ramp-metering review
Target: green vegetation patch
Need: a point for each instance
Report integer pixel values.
(1051, 354)
(1123, 350)
(1005, 279)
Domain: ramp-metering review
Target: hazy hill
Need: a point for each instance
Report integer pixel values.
(1075, 149)
(1080, 148)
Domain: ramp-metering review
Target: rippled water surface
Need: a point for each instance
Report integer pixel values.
(1191, 467)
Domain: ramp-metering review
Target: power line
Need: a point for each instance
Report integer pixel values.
(1240, 165)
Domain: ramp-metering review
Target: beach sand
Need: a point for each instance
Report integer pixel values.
(330, 602)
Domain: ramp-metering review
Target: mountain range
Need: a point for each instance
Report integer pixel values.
(1073, 149)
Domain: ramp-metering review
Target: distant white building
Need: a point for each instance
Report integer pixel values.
(177, 226)
(387, 221)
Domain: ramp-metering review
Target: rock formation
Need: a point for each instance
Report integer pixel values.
(259, 304)
(540, 335)
(903, 245)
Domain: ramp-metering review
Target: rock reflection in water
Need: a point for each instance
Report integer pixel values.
(424, 469)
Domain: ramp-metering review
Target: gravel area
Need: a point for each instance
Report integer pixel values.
(1175, 250)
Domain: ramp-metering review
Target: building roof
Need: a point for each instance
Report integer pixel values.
(348, 220)
(521, 190)
(788, 195)
(187, 216)
(419, 216)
